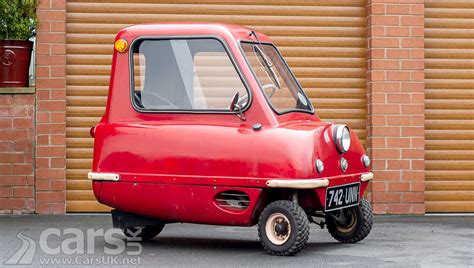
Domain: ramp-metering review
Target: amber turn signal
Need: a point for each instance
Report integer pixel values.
(121, 45)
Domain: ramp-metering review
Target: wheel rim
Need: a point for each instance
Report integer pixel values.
(349, 219)
(278, 228)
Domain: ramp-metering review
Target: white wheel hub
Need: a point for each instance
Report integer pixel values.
(278, 228)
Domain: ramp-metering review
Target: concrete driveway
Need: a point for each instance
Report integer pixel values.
(426, 241)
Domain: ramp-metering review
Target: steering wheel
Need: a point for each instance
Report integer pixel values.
(154, 95)
(273, 89)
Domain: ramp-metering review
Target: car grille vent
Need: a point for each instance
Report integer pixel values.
(234, 200)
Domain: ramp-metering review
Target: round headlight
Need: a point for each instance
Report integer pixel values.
(319, 166)
(342, 138)
(365, 160)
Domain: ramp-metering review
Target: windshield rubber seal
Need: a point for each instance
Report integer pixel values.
(197, 111)
(312, 111)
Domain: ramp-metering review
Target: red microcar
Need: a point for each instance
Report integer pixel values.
(205, 123)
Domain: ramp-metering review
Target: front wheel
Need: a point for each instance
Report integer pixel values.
(145, 232)
(351, 225)
(283, 228)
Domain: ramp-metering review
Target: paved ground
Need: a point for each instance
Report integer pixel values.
(429, 241)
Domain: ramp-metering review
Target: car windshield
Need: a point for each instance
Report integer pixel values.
(276, 81)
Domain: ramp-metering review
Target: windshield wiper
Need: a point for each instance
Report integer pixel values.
(266, 62)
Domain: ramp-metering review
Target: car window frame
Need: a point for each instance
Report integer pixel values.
(186, 111)
(312, 111)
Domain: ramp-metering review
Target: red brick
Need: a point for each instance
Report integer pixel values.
(385, 87)
(413, 197)
(413, 153)
(13, 180)
(52, 128)
(398, 120)
(398, 164)
(398, 98)
(413, 42)
(27, 99)
(58, 139)
(58, 26)
(50, 83)
(58, 162)
(384, 109)
(418, 209)
(387, 175)
(6, 100)
(376, 75)
(12, 203)
(52, 105)
(398, 9)
(58, 208)
(386, 153)
(50, 174)
(23, 123)
(22, 169)
(384, 64)
(413, 65)
(413, 131)
(397, 31)
(397, 53)
(379, 186)
(377, 42)
(50, 197)
(412, 20)
(51, 15)
(417, 186)
(414, 175)
(417, 9)
(384, 197)
(6, 123)
(59, 4)
(398, 76)
(384, 20)
(50, 151)
(23, 192)
(377, 9)
(385, 131)
(413, 87)
(5, 169)
(58, 49)
(57, 185)
(398, 142)
(6, 192)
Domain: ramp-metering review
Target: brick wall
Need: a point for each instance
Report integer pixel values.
(395, 97)
(51, 107)
(16, 153)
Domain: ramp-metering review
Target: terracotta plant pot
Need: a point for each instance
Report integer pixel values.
(15, 58)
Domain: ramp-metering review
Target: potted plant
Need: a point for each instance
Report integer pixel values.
(17, 26)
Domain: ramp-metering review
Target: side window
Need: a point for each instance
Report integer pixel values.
(192, 74)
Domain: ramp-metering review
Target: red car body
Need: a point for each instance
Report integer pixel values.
(173, 166)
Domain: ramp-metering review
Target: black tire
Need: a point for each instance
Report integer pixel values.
(294, 221)
(145, 232)
(357, 225)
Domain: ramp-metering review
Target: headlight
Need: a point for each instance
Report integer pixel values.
(319, 166)
(342, 138)
(365, 160)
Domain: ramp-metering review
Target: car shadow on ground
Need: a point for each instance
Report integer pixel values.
(234, 245)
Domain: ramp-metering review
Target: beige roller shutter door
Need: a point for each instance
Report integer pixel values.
(449, 43)
(323, 41)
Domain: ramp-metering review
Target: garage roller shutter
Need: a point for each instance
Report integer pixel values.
(449, 63)
(323, 41)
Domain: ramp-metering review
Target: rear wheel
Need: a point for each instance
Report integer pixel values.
(351, 225)
(283, 228)
(143, 232)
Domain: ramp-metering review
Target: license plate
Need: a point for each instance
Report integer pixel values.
(342, 196)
